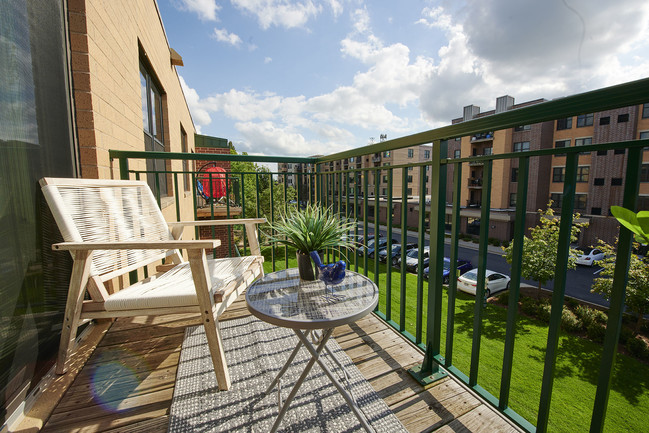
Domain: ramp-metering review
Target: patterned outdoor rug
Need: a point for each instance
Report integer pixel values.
(255, 352)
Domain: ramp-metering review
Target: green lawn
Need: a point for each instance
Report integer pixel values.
(576, 370)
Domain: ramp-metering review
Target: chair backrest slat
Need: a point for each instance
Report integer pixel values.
(88, 210)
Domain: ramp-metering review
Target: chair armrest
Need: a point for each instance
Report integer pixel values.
(232, 221)
(135, 245)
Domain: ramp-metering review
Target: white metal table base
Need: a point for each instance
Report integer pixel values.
(315, 357)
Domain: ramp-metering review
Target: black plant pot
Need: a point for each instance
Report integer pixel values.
(305, 267)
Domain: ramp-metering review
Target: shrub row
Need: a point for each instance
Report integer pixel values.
(580, 319)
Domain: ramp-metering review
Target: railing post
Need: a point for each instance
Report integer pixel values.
(429, 371)
(558, 291)
(620, 277)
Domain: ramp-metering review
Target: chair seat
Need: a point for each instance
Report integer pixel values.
(175, 288)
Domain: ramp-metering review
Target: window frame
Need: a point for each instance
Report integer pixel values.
(153, 128)
(521, 146)
(584, 120)
(563, 124)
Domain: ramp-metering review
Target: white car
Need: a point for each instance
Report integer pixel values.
(496, 282)
(589, 256)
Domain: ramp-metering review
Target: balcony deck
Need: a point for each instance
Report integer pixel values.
(150, 347)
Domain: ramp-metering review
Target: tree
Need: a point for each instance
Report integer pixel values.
(254, 174)
(637, 288)
(540, 248)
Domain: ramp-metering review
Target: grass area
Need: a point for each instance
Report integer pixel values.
(575, 373)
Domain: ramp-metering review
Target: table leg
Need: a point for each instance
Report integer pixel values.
(350, 401)
(315, 353)
(285, 367)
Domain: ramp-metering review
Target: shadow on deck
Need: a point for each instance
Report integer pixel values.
(127, 383)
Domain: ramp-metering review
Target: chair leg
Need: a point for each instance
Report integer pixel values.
(215, 344)
(198, 265)
(76, 291)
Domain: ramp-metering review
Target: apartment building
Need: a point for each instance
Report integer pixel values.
(504, 181)
(600, 175)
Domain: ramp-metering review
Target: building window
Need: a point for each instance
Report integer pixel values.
(582, 174)
(456, 153)
(602, 152)
(645, 110)
(616, 181)
(643, 202)
(564, 123)
(604, 120)
(621, 118)
(596, 211)
(644, 135)
(556, 200)
(487, 151)
(558, 174)
(561, 143)
(522, 128)
(585, 120)
(644, 173)
(183, 147)
(522, 146)
(351, 159)
(512, 199)
(409, 178)
(599, 181)
(153, 130)
(385, 191)
(514, 174)
(385, 178)
(580, 201)
(584, 142)
(411, 153)
(426, 154)
(619, 151)
(409, 191)
(386, 154)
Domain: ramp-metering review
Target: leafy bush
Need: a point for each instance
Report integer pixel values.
(528, 306)
(569, 321)
(503, 298)
(544, 310)
(626, 334)
(589, 316)
(596, 332)
(638, 348)
(505, 244)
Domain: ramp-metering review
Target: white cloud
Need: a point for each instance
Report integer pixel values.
(268, 60)
(200, 115)
(279, 13)
(222, 35)
(206, 9)
(336, 7)
(517, 56)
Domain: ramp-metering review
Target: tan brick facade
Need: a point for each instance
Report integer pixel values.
(108, 40)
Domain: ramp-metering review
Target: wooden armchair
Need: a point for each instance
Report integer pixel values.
(112, 227)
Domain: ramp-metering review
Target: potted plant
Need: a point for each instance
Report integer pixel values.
(312, 229)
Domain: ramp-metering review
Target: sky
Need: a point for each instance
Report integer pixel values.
(306, 77)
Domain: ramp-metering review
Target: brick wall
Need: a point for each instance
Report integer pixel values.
(108, 40)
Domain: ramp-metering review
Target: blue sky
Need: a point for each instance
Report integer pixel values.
(304, 77)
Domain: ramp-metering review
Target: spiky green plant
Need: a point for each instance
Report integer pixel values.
(312, 229)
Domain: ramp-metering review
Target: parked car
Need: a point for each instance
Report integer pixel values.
(370, 245)
(462, 266)
(379, 245)
(496, 282)
(395, 253)
(412, 258)
(589, 256)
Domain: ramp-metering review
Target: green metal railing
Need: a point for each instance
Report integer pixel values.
(338, 189)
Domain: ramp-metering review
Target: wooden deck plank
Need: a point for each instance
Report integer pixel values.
(137, 395)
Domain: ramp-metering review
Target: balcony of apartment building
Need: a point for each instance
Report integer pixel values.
(440, 360)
